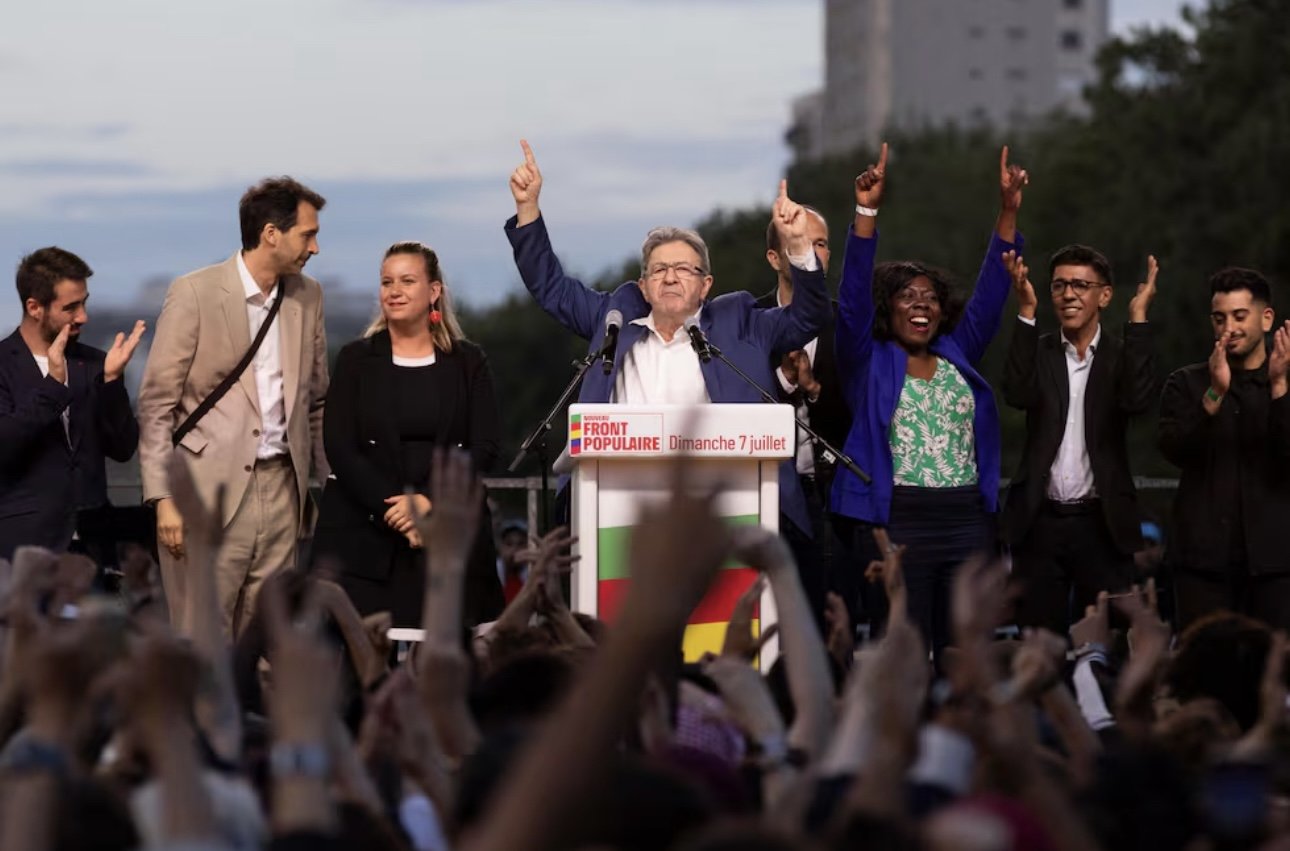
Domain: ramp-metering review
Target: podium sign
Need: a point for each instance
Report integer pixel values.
(623, 455)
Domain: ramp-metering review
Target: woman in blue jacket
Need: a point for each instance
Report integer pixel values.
(924, 423)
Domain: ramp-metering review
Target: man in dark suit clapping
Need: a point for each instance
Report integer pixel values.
(63, 406)
(1071, 515)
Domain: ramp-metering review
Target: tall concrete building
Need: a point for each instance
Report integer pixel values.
(911, 63)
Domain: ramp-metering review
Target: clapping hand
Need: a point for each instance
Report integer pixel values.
(1011, 180)
(121, 351)
(1146, 292)
(526, 185)
(1027, 301)
(1220, 371)
(1278, 358)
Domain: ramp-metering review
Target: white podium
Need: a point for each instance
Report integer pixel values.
(620, 456)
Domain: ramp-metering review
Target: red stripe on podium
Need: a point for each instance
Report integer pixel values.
(715, 607)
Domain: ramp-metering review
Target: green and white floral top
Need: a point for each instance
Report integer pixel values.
(932, 440)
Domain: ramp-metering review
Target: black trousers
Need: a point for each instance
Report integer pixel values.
(940, 528)
(1062, 563)
(1266, 598)
(817, 555)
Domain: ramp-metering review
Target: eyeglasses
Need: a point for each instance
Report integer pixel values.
(684, 271)
(1080, 287)
(908, 296)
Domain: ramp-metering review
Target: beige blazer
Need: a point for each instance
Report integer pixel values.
(202, 333)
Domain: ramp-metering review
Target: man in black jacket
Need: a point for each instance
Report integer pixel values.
(1071, 515)
(1226, 424)
(808, 380)
(63, 407)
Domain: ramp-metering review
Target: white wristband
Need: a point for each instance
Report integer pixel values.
(871, 212)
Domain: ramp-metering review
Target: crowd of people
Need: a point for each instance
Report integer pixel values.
(239, 691)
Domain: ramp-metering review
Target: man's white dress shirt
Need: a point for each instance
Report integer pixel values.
(1071, 476)
(267, 366)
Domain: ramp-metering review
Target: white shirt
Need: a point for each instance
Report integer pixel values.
(661, 372)
(1071, 476)
(805, 460)
(267, 366)
(43, 362)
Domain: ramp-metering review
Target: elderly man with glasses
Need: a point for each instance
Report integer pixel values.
(654, 362)
(1071, 515)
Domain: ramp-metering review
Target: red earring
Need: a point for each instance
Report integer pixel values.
(435, 316)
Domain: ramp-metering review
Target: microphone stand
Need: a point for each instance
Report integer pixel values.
(841, 457)
(538, 436)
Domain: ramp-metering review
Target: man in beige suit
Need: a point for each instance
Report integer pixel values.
(261, 438)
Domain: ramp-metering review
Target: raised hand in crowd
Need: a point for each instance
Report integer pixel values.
(121, 350)
(302, 707)
(739, 641)
(676, 548)
(549, 563)
(1260, 740)
(869, 188)
(157, 693)
(218, 710)
(1278, 359)
(526, 185)
(805, 659)
(1027, 301)
(1094, 629)
(1141, 301)
(443, 668)
(1148, 647)
(839, 637)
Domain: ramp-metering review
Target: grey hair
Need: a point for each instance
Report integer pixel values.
(664, 235)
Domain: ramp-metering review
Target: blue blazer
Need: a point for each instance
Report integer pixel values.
(749, 336)
(47, 474)
(873, 376)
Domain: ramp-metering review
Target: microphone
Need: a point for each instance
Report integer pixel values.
(613, 322)
(698, 340)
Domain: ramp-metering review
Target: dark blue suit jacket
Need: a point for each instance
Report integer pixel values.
(47, 473)
(749, 336)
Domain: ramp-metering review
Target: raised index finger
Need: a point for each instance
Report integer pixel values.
(1003, 160)
(783, 189)
(1153, 269)
(529, 159)
(882, 159)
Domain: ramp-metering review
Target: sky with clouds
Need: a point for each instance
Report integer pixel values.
(129, 129)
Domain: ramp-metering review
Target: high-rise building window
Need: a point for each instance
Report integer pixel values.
(1015, 33)
(1015, 73)
(1073, 4)
(1072, 40)
(975, 73)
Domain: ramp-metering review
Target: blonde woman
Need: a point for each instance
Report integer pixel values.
(412, 383)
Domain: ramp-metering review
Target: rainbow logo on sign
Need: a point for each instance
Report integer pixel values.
(575, 434)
